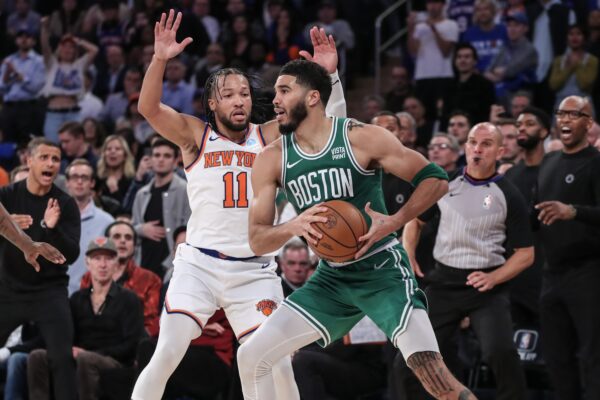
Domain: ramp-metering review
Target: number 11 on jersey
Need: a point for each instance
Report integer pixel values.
(242, 190)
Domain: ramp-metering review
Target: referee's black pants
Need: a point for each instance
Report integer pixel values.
(450, 300)
(51, 312)
(570, 319)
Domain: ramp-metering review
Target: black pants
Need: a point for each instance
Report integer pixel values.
(570, 316)
(321, 375)
(200, 374)
(51, 312)
(450, 300)
(21, 119)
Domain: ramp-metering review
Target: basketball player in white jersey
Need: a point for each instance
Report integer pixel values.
(216, 268)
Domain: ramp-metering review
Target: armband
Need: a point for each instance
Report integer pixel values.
(431, 170)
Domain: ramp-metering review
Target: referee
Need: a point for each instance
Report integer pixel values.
(480, 212)
(568, 202)
(46, 214)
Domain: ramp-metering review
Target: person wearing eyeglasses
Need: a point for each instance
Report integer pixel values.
(294, 262)
(443, 150)
(80, 185)
(568, 211)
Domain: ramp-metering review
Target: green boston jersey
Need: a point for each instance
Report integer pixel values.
(331, 174)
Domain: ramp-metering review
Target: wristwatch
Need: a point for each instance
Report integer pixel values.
(43, 224)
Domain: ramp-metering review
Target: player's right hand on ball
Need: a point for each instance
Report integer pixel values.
(302, 224)
(165, 43)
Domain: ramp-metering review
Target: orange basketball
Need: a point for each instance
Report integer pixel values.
(345, 224)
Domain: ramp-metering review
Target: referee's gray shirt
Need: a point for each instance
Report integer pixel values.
(477, 218)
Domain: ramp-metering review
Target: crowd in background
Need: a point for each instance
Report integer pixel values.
(71, 73)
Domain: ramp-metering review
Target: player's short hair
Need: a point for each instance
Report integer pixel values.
(311, 75)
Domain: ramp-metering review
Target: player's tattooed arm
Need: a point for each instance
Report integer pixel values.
(354, 124)
(435, 377)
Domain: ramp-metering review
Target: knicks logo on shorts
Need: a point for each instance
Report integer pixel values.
(266, 307)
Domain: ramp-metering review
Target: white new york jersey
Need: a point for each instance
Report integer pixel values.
(219, 192)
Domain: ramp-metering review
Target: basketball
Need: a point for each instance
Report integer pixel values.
(345, 224)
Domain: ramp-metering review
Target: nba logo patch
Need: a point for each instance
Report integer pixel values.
(251, 141)
(487, 202)
(266, 307)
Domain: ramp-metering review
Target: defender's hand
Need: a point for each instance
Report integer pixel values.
(325, 52)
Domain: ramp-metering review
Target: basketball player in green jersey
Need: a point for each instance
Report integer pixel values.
(319, 159)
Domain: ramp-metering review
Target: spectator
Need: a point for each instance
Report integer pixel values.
(108, 324)
(284, 38)
(415, 107)
(372, 104)
(519, 101)
(145, 284)
(513, 68)
(135, 121)
(23, 19)
(514, 7)
(73, 144)
(110, 29)
(200, 26)
(112, 73)
(294, 261)
(401, 89)
(90, 105)
(470, 281)
(49, 215)
(214, 60)
(94, 134)
(21, 79)
(568, 200)
(160, 207)
(266, 72)
(13, 359)
(575, 72)
(339, 28)
(459, 125)
(64, 79)
(396, 191)
(237, 43)
(177, 93)
(68, 19)
(443, 150)
(471, 91)
(485, 35)
(461, 11)
(116, 103)
(115, 168)
(19, 173)
(533, 128)
(80, 185)
(407, 131)
(431, 44)
(512, 151)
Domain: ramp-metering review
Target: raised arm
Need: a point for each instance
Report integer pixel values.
(173, 126)
(264, 237)
(376, 146)
(45, 40)
(91, 50)
(325, 54)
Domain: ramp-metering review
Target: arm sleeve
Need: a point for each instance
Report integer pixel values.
(558, 74)
(518, 230)
(336, 106)
(586, 74)
(65, 235)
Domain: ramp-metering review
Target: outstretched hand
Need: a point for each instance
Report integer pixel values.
(36, 249)
(325, 52)
(165, 43)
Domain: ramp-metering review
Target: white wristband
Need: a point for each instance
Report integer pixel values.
(4, 354)
(335, 78)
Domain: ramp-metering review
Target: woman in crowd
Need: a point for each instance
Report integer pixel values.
(115, 168)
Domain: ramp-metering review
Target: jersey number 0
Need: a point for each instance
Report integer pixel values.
(242, 184)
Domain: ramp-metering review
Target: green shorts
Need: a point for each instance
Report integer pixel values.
(382, 286)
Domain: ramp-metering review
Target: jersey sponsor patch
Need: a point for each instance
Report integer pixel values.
(266, 306)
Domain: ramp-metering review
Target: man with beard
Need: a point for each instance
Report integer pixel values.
(216, 268)
(568, 202)
(320, 159)
(533, 127)
(45, 213)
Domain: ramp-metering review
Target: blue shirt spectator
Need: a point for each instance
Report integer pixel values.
(22, 76)
(23, 18)
(176, 92)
